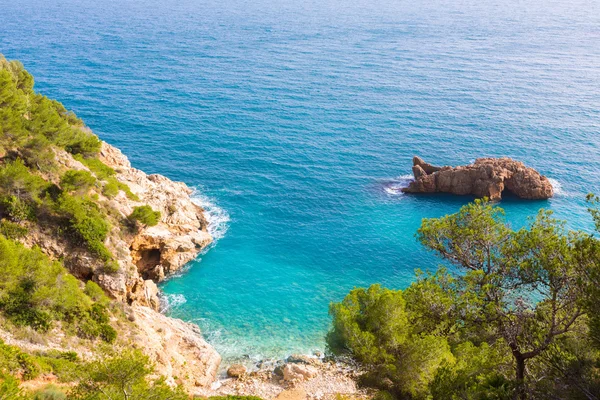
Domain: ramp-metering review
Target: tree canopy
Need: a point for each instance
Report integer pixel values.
(499, 314)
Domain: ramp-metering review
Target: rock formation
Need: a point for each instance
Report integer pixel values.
(177, 349)
(486, 177)
(145, 257)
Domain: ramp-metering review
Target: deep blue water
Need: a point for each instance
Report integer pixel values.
(292, 117)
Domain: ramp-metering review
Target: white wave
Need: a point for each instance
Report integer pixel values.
(170, 301)
(218, 219)
(558, 189)
(394, 187)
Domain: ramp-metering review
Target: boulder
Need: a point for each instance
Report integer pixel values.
(486, 177)
(298, 372)
(236, 371)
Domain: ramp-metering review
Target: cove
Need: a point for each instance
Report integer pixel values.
(296, 123)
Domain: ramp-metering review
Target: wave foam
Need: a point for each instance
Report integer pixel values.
(170, 301)
(394, 187)
(558, 189)
(218, 219)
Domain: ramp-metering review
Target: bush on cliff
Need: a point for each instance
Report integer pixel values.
(35, 291)
(86, 223)
(79, 181)
(493, 328)
(145, 215)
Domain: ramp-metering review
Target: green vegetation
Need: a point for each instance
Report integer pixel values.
(79, 181)
(509, 320)
(43, 194)
(145, 215)
(123, 376)
(35, 292)
(86, 222)
(113, 376)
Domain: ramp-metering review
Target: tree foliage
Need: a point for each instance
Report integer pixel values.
(123, 377)
(145, 215)
(35, 291)
(511, 303)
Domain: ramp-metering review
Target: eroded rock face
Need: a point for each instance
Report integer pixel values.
(154, 252)
(145, 257)
(486, 177)
(177, 349)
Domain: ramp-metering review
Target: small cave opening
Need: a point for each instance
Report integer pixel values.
(148, 260)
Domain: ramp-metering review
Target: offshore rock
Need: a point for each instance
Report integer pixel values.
(486, 177)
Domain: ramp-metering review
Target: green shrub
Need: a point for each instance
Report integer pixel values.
(130, 195)
(107, 333)
(95, 292)
(74, 180)
(110, 188)
(145, 215)
(96, 324)
(374, 326)
(12, 230)
(34, 291)
(101, 170)
(9, 387)
(121, 377)
(50, 392)
(18, 210)
(86, 222)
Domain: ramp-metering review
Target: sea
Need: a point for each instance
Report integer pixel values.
(296, 122)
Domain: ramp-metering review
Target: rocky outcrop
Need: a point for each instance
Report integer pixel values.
(298, 372)
(145, 257)
(177, 349)
(182, 231)
(486, 177)
(236, 371)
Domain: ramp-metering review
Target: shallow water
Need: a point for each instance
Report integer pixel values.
(297, 122)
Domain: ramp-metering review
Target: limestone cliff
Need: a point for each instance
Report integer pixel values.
(145, 257)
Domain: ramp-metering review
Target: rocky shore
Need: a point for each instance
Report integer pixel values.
(298, 377)
(486, 177)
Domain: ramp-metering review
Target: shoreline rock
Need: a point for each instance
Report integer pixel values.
(323, 379)
(486, 177)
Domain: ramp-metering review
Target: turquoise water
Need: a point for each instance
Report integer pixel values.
(297, 119)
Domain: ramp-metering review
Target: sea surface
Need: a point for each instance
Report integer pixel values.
(297, 120)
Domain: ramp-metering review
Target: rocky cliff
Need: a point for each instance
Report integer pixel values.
(486, 177)
(145, 256)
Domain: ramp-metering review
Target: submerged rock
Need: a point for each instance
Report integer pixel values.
(486, 177)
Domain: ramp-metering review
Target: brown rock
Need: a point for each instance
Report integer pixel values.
(298, 372)
(486, 177)
(236, 370)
